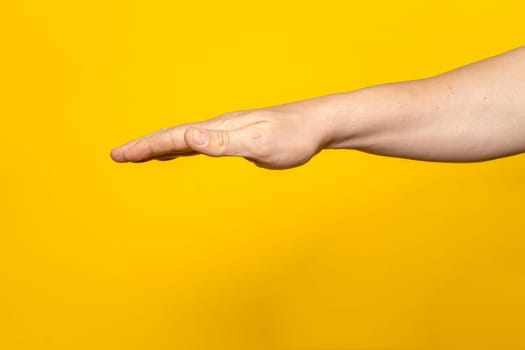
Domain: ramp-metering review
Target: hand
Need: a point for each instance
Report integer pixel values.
(273, 138)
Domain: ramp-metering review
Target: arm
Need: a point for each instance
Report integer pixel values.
(473, 113)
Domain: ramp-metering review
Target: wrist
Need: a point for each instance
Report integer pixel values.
(364, 119)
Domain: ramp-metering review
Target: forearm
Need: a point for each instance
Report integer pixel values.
(473, 113)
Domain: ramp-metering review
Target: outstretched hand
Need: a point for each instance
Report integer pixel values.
(272, 138)
(473, 113)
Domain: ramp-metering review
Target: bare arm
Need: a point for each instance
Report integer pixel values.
(473, 113)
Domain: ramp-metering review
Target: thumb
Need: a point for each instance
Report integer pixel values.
(215, 142)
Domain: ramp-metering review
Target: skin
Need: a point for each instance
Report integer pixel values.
(470, 114)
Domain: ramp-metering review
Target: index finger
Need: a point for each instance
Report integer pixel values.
(166, 140)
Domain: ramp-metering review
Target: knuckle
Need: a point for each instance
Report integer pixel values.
(171, 140)
(222, 141)
(236, 112)
(150, 149)
(231, 113)
(224, 121)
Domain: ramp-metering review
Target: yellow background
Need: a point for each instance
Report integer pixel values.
(350, 251)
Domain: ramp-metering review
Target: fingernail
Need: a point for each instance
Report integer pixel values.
(200, 136)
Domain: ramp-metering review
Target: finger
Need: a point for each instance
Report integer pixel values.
(218, 142)
(175, 155)
(172, 139)
(166, 140)
(166, 156)
(116, 153)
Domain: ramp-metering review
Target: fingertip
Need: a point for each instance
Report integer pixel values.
(117, 155)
